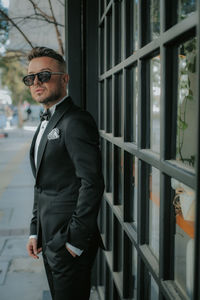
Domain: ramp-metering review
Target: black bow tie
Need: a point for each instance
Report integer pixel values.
(45, 115)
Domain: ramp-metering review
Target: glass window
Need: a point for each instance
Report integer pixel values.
(131, 187)
(131, 110)
(109, 222)
(118, 258)
(185, 8)
(154, 210)
(101, 106)
(118, 32)
(154, 291)
(118, 105)
(108, 291)
(118, 177)
(109, 166)
(131, 20)
(109, 106)
(102, 32)
(186, 141)
(109, 41)
(154, 19)
(155, 96)
(184, 203)
(130, 269)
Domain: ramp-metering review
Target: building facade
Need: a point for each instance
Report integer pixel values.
(137, 61)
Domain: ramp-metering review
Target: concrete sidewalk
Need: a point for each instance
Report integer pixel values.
(21, 277)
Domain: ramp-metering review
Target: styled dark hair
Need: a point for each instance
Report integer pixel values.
(44, 51)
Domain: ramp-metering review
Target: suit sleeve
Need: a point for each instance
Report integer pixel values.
(33, 225)
(82, 142)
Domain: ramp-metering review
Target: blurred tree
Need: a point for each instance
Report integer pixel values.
(12, 63)
(12, 74)
(37, 14)
(3, 26)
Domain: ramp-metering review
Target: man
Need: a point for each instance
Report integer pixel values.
(66, 164)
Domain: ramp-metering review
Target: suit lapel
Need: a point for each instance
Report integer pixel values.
(32, 161)
(59, 112)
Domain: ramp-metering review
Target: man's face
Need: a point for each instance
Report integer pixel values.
(50, 92)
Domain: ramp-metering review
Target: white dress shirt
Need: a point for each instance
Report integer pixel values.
(43, 126)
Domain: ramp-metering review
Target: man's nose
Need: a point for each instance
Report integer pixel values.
(36, 80)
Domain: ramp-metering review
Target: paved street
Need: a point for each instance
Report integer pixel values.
(21, 277)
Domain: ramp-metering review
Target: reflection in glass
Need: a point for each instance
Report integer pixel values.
(185, 8)
(155, 96)
(154, 293)
(131, 26)
(184, 199)
(131, 187)
(154, 18)
(118, 176)
(134, 272)
(109, 105)
(131, 121)
(102, 112)
(186, 104)
(118, 247)
(109, 164)
(109, 228)
(154, 210)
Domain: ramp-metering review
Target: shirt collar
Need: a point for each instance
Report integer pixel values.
(53, 108)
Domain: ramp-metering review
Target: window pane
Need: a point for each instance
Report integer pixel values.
(118, 176)
(154, 212)
(185, 8)
(131, 187)
(109, 164)
(155, 95)
(131, 110)
(184, 202)
(187, 104)
(102, 112)
(118, 258)
(131, 26)
(154, 292)
(118, 32)
(109, 41)
(109, 106)
(109, 229)
(102, 63)
(118, 105)
(154, 18)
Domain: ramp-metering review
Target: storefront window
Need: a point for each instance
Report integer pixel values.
(184, 206)
(154, 19)
(109, 164)
(131, 109)
(187, 104)
(131, 187)
(154, 292)
(155, 96)
(185, 8)
(154, 210)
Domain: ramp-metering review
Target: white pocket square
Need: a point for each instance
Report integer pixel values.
(54, 134)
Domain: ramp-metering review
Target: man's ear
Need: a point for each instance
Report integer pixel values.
(66, 78)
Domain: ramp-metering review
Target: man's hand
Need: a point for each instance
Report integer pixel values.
(71, 252)
(32, 248)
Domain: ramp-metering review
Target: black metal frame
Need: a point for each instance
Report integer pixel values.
(113, 65)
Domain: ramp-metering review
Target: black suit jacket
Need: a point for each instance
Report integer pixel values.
(68, 180)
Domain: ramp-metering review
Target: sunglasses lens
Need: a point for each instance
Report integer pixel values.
(44, 76)
(28, 80)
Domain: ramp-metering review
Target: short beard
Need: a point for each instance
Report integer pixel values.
(52, 98)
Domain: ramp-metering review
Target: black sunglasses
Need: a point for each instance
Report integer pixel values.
(43, 76)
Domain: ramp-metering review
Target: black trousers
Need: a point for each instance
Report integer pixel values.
(69, 278)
